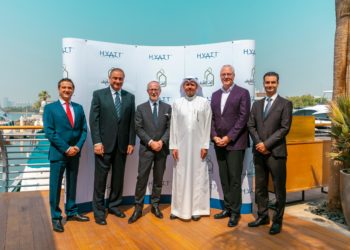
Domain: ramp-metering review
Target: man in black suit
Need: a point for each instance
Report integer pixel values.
(113, 135)
(269, 123)
(152, 124)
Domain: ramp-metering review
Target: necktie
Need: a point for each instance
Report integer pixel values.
(154, 114)
(117, 104)
(69, 114)
(268, 106)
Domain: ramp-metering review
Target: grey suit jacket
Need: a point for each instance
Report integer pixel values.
(272, 130)
(104, 125)
(147, 130)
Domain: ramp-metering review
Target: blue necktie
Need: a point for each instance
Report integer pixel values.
(268, 106)
(117, 104)
(154, 114)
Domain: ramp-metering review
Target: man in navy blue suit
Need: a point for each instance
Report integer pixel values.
(65, 127)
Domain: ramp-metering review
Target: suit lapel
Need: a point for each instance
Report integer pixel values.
(109, 99)
(230, 95)
(60, 109)
(273, 106)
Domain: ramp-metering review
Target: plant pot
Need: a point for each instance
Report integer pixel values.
(345, 193)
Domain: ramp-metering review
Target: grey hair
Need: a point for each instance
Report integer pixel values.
(228, 66)
(154, 81)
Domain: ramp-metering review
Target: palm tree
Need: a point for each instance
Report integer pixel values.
(341, 86)
(43, 96)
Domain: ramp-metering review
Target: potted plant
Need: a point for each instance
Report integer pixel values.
(340, 132)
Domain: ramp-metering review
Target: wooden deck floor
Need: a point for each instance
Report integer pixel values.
(25, 224)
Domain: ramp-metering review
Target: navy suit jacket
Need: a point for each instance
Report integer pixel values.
(273, 129)
(232, 122)
(59, 131)
(104, 124)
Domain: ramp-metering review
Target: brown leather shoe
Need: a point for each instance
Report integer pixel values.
(78, 217)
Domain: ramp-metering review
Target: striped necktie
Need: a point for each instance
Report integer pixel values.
(268, 106)
(117, 104)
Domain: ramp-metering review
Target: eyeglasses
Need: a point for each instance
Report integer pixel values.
(226, 74)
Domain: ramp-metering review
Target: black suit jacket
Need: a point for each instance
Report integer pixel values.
(104, 125)
(272, 130)
(147, 130)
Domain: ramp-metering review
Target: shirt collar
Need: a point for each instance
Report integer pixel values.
(63, 102)
(151, 102)
(229, 89)
(113, 91)
(273, 98)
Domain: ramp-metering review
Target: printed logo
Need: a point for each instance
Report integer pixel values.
(111, 54)
(65, 71)
(162, 78)
(251, 80)
(207, 55)
(208, 78)
(104, 82)
(249, 52)
(67, 50)
(164, 57)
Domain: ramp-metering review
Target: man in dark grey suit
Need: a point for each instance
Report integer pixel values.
(112, 118)
(269, 123)
(230, 106)
(152, 123)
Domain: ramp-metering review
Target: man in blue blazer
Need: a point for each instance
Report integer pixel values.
(112, 124)
(230, 106)
(65, 127)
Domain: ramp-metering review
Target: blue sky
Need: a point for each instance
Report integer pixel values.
(293, 37)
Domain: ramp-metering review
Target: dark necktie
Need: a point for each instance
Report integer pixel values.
(69, 114)
(268, 106)
(117, 104)
(154, 114)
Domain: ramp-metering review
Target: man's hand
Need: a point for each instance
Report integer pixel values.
(99, 149)
(204, 153)
(221, 142)
(156, 145)
(71, 152)
(175, 154)
(130, 149)
(261, 148)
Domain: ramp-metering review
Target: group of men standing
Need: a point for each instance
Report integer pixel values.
(186, 129)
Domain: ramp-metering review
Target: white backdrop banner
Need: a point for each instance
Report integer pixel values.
(87, 63)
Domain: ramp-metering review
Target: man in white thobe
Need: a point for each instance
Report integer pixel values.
(189, 142)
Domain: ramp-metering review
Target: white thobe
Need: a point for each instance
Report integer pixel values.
(189, 133)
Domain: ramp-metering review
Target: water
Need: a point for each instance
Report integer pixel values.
(14, 116)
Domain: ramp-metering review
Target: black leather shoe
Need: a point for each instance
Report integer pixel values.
(57, 226)
(233, 221)
(135, 216)
(225, 213)
(78, 217)
(156, 211)
(196, 217)
(101, 222)
(275, 228)
(172, 217)
(259, 221)
(117, 212)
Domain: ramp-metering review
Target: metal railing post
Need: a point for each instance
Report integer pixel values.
(5, 169)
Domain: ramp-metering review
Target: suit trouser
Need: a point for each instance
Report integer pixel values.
(277, 167)
(147, 158)
(57, 168)
(102, 166)
(230, 170)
